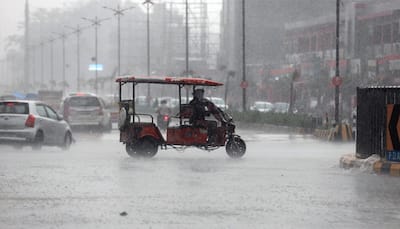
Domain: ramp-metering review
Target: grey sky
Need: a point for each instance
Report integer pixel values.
(12, 13)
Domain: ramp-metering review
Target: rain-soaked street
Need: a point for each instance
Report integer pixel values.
(284, 181)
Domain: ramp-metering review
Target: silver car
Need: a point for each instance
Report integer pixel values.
(86, 110)
(32, 123)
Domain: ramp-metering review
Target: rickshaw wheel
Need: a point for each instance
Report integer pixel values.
(130, 149)
(236, 147)
(147, 147)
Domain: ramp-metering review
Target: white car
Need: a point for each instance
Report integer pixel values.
(219, 102)
(32, 123)
(86, 110)
(262, 106)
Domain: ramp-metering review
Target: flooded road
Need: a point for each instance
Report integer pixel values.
(283, 181)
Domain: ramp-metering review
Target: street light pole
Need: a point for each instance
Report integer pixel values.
(119, 12)
(187, 37)
(148, 3)
(243, 55)
(51, 62)
(337, 74)
(63, 36)
(41, 63)
(96, 23)
(78, 31)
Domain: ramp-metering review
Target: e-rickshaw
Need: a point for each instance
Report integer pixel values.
(142, 137)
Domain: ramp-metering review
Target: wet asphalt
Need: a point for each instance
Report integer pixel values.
(283, 181)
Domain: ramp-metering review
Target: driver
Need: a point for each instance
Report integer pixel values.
(202, 107)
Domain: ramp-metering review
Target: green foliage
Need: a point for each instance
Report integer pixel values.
(279, 119)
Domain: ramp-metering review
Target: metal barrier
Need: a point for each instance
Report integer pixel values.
(371, 119)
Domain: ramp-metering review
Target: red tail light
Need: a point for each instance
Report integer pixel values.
(30, 121)
(166, 118)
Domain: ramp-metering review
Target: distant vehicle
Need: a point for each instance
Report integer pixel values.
(157, 101)
(111, 104)
(51, 97)
(86, 110)
(32, 123)
(281, 107)
(262, 106)
(13, 96)
(7, 97)
(219, 102)
(143, 104)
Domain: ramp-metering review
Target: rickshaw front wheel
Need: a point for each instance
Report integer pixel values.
(235, 147)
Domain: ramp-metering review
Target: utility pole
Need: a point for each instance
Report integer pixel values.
(27, 54)
(244, 55)
(51, 40)
(96, 23)
(148, 3)
(41, 64)
(187, 37)
(337, 73)
(119, 12)
(63, 37)
(78, 31)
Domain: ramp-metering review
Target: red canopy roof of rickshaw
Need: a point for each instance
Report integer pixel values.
(169, 80)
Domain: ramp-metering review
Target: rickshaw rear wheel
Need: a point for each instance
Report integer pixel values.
(147, 147)
(235, 147)
(130, 149)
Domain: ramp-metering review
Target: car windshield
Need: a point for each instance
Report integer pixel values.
(13, 108)
(84, 101)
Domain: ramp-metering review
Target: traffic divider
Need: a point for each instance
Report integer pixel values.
(387, 167)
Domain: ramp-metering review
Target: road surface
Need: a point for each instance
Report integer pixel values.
(284, 181)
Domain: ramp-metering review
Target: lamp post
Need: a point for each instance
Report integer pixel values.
(96, 23)
(41, 64)
(63, 37)
(119, 12)
(187, 37)
(337, 73)
(148, 3)
(51, 40)
(78, 31)
(243, 55)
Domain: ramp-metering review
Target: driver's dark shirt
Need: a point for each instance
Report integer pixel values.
(199, 110)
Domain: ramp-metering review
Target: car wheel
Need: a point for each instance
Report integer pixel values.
(235, 147)
(38, 141)
(67, 141)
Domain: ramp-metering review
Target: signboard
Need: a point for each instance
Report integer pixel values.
(337, 81)
(95, 67)
(244, 84)
(392, 132)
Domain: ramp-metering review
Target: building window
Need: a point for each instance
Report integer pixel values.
(396, 35)
(313, 43)
(377, 34)
(387, 34)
